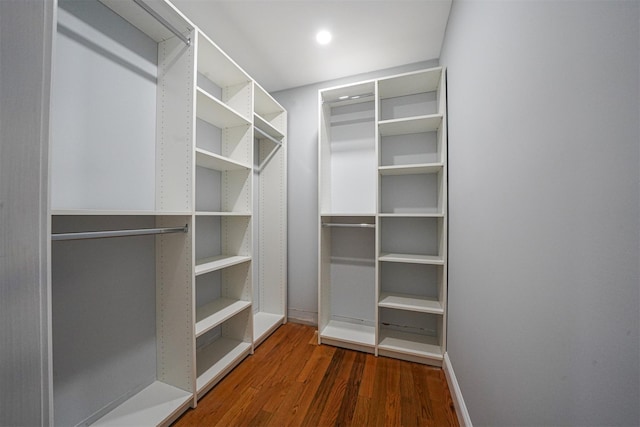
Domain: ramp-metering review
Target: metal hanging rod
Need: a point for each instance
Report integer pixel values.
(164, 22)
(118, 233)
(337, 224)
(266, 135)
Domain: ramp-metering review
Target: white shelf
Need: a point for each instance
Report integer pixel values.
(353, 333)
(263, 323)
(411, 258)
(347, 214)
(98, 212)
(219, 262)
(423, 168)
(409, 125)
(350, 93)
(214, 111)
(412, 215)
(410, 302)
(142, 20)
(411, 344)
(153, 406)
(264, 104)
(410, 83)
(209, 160)
(213, 314)
(209, 213)
(214, 360)
(217, 66)
(267, 127)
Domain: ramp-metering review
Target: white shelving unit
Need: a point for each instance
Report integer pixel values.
(142, 325)
(270, 220)
(121, 310)
(382, 162)
(223, 150)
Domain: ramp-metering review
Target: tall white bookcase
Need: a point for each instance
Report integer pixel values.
(161, 139)
(383, 216)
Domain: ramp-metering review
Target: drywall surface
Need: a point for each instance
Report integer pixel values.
(544, 210)
(302, 109)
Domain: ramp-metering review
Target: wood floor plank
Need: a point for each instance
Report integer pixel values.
(368, 376)
(350, 397)
(392, 401)
(290, 380)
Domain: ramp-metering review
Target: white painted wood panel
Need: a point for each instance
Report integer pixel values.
(157, 404)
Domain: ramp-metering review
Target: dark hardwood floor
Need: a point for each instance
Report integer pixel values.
(292, 381)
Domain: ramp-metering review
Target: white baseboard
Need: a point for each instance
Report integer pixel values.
(456, 394)
(301, 316)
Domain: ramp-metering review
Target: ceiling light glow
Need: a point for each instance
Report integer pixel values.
(323, 37)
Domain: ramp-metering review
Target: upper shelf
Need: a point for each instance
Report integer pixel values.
(209, 160)
(410, 125)
(422, 168)
(410, 83)
(217, 66)
(349, 94)
(145, 22)
(264, 104)
(214, 111)
(267, 127)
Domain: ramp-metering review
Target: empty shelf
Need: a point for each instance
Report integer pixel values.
(152, 406)
(219, 262)
(213, 314)
(408, 343)
(411, 258)
(410, 303)
(354, 333)
(209, 213)
(410, 83)
(267, 127)
(423, 168)
(218, 358)
(264, 323)
(217, 113)
(410, 125)
(209, 160)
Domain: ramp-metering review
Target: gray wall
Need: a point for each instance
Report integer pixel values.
(544, 215)
(26, 34)
(302, 109)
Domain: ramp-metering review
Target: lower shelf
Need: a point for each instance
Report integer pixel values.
(410, 344)
(264, 324)
(217, 359)
(353, 333)
(216, 312)
(157, 404)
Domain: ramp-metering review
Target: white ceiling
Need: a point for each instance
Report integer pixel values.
(274, 40)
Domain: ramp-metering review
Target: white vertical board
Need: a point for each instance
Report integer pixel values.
(26, 37)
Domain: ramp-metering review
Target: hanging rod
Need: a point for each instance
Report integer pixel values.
(266, 135)
(163, 21)
(337, 224)
(118, 233)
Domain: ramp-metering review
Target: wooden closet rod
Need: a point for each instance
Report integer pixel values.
(163, 21)
(118, 233)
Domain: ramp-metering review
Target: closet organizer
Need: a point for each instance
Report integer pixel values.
(382, 277)
(168, 213)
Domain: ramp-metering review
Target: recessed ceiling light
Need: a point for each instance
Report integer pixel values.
(323, 37)
(343, 97)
